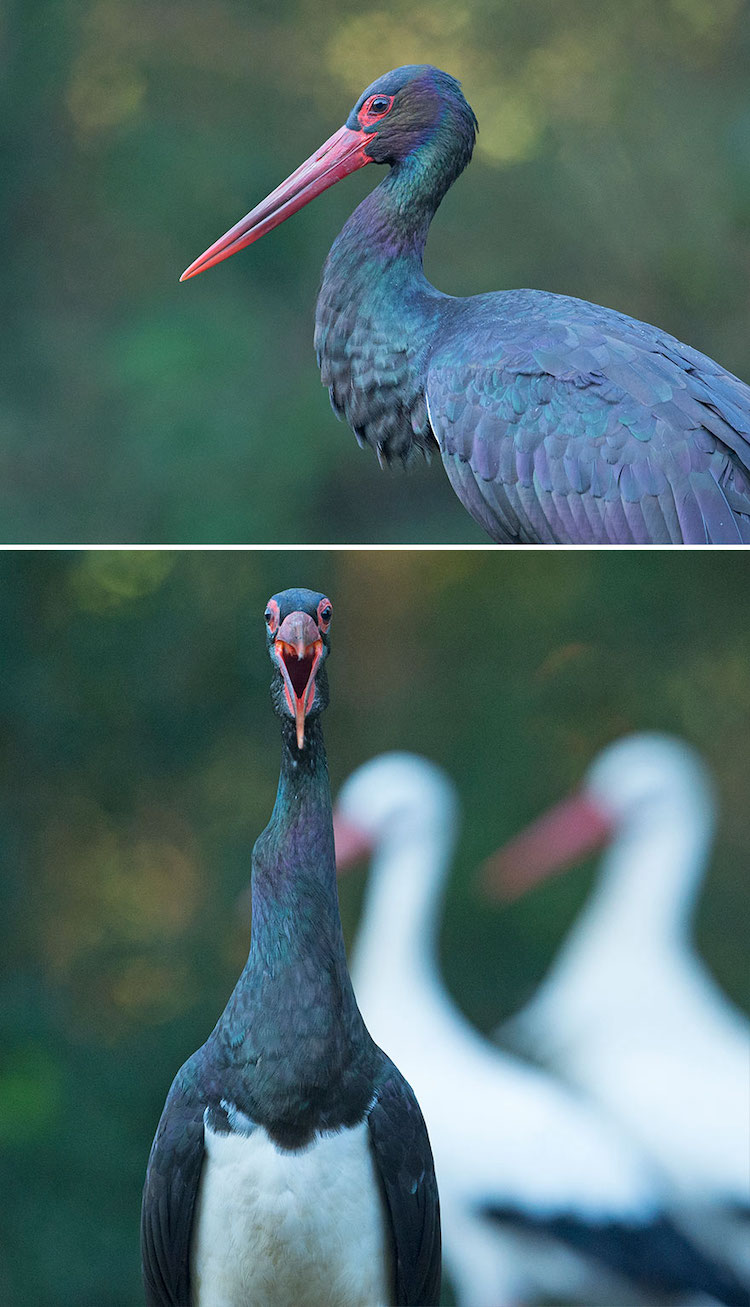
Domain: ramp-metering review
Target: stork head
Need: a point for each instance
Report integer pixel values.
(406, 109)
(406, 113)
(634, 775)
(297, 626)
(395, 797)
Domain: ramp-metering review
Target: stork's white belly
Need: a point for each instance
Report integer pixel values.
(281, 1229)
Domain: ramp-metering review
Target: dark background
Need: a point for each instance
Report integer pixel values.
(613, 163)
(139, 759)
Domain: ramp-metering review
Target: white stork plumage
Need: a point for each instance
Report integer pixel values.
(628, 1011)
(540, 1193)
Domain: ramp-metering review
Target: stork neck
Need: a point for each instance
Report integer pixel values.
(389, 228)
(294, 1053)
(294, 895)
(398, 936)
(375, 321)
(395, 217)
(648, 884)
(375, 254)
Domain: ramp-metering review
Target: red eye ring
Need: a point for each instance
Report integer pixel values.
(368, 114)
(325, 613)
(272, 615)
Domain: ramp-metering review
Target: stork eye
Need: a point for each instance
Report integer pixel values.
(376, 107)
(272, 616)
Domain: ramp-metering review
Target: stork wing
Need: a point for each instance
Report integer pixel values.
(403, 1158)
(562, 422)
(169, 1194)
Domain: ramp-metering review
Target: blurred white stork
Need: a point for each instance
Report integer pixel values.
(628, 1012)
(540, 1193)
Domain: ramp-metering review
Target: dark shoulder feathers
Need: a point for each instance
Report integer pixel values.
(403, 1159)
(169, 1196)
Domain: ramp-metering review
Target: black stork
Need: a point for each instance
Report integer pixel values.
(291, 1166)
(558, 421)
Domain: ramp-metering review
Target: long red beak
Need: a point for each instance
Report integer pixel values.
(352, 843)
(563, 836)
(297, 648)
(342, 153)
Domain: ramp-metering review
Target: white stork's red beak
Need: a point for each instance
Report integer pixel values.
(352, 843)
(565, 834)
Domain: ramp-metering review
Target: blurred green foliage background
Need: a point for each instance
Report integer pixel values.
(613, 163)
(139, 760)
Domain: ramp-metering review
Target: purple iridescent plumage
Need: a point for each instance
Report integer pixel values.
(558, 421)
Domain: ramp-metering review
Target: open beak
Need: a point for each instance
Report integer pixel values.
(342, 153)
(352, 843)
(565, 834)
(297, 649)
